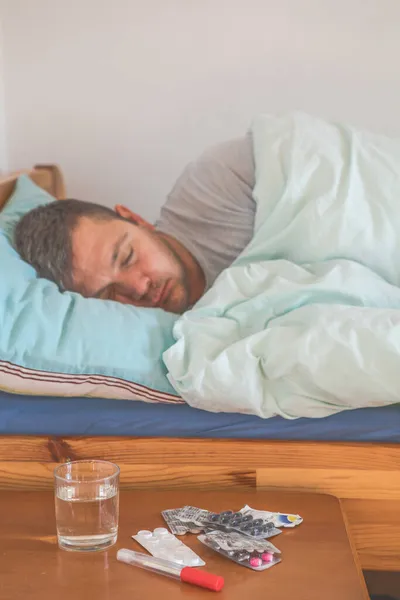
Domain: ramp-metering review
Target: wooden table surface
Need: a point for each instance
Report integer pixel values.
(317, 558)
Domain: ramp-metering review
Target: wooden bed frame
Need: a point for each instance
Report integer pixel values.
(366, 477)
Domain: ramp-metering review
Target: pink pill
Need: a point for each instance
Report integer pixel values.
(255, 561)
(267, 557)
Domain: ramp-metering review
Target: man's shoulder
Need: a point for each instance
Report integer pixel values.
(235, 155)
(225, 169)
(224, 175)
(210, 209)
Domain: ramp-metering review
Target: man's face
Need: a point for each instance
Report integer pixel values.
(131, 263)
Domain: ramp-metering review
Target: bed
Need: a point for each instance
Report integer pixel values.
(354, 455)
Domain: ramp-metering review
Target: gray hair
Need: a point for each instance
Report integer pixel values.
(43, 237)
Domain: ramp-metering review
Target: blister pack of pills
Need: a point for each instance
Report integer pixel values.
(245, 524)
(277, 518)
(162, 544)
(188, 519)
(253, 554)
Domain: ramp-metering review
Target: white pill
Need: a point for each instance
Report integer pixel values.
(171, 541)
(153, 541)
(145, 534)
(188, 559)
(160, 532)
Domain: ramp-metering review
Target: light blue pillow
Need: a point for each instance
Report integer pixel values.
(54, 343)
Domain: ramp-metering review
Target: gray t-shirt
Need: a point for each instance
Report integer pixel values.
(211, 209)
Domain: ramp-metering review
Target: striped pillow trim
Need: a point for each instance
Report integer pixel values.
(20, 380)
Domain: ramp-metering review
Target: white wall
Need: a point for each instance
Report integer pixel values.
(122, 93)
(3, 153)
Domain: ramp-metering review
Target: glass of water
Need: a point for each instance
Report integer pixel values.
(87, 504)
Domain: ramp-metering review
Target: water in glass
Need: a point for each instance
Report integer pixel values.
(87, 501)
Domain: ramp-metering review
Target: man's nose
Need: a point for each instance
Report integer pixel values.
(135, 283)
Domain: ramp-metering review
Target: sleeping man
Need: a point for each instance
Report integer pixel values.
(206, 222)
(306, 321)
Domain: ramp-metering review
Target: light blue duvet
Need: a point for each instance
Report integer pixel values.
(306, 322)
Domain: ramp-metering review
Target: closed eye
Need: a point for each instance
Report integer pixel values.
(128, 258)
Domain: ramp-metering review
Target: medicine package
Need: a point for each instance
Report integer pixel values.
(253, 554)
(163, 544)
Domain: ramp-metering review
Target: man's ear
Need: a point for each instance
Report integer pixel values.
(126, 213)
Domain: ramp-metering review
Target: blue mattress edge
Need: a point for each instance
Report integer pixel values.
(32, 415)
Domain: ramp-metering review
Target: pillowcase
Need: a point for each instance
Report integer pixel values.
(62, 344)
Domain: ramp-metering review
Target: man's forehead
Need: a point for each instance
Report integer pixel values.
(93, 242)
(94, 223)
(99, 234)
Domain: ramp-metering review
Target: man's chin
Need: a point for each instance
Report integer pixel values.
(177, 302)
(176, 309)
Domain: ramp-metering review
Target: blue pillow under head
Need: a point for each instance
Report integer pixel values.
(54, 343)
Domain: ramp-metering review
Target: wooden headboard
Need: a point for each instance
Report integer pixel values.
(48, 177)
